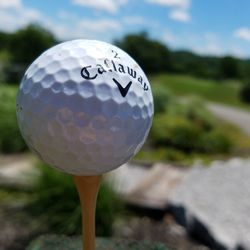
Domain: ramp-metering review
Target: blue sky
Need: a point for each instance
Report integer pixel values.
(210, 27)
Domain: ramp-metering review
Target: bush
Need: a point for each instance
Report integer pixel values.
(162, 97)
(10, 138)
(174, 131)
(188, 127)
(193, 110)
(55, 204)
(245, 93)
(214, 142)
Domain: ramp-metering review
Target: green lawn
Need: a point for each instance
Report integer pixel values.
(226, 92)
(8, 90)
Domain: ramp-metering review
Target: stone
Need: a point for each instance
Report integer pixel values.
(60, 242)
(147, 186)
(18, 172)
(213, 204)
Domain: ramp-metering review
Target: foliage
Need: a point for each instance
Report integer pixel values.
(55, 204)
(27, 43)
(151, 55)
(201, 66)
(162, 97)
(10, 137)
(4, 40)
(214, 142)
(173, 131)
(245, 93)
(188, 127)
(24, 46)
(229, 67)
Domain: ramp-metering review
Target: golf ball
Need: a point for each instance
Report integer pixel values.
(84, 107)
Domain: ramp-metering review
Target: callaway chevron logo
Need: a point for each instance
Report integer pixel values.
(91, 72)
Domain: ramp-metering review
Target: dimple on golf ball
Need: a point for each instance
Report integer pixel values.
(85, 107)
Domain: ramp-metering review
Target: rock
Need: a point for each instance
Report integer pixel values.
(213, 204)
(16, 228)
(147, 186)
(60, 242)
(18, 172)
(166, 231)
(126, 177)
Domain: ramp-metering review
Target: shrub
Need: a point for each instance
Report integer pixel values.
(174, 131)
(55, 204)
(10, 138)
(245, 93)
(162, 97)
(214, 142)
(193, 110)
(184, 137)
(188, 127)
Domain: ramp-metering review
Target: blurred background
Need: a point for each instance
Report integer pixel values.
(196, 55)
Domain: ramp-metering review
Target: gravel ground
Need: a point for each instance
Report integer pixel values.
(16, 228)
(166, 231)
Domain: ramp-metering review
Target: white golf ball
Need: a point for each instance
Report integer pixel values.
(85, 107)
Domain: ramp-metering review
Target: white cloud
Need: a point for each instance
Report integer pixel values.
(211, 43)
(88, 28)
(208, 49)
(139, 21)
(217, 50)
(169, 37)
(83, 28)
(179, 9)
(101, 25)
(61, 25)
(65, 15)
(94, 25)
(207, 44)
(134, 20)
(180, 15)
(105, 5)
(243, 33)
(238, 52)
(172, 3)
(13, 19)
(10, 4)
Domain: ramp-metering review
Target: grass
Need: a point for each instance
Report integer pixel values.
(241, 149)
(10, 137)
(225, 92)
(10, 89)
(180, 158)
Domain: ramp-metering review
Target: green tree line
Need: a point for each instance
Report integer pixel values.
(155, 57)
(19, 49)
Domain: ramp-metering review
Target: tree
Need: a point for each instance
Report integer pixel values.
(245, 93)
(151, 55)
(24, 46)
(229, 67)
(4, 40)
